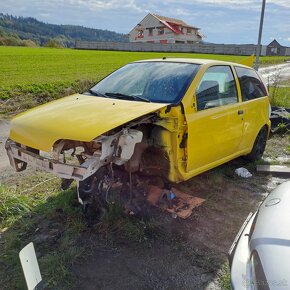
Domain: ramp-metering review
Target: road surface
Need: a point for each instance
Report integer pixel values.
(276, 73)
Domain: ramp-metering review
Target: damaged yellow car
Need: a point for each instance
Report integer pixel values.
(170, 117)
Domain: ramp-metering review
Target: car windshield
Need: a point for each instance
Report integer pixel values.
(160, 82)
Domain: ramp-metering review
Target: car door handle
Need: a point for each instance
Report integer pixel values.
(240, 112)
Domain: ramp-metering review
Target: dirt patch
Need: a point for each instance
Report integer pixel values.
(192, 252)
(123, 268)
(186, 254)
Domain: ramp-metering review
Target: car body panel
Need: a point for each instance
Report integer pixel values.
(77, 117)
(220, 134)
(213, 135)
(269, 237)
(255, 115)
(274, 210)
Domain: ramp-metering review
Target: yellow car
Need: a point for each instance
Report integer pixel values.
(171, 117)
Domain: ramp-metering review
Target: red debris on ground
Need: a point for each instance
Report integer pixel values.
(182, 205)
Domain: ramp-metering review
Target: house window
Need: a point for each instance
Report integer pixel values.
(140, 33)
(189, 30)
(150, 32)
(160, 30)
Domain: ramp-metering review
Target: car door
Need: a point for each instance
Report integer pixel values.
(215, 130)
(255, 105)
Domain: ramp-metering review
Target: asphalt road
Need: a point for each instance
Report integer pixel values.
(276, 73)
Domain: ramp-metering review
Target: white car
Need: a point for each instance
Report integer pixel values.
(260, 255)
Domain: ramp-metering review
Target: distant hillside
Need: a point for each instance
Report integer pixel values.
(41, 33)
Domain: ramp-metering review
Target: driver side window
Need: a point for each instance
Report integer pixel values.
(216, 88)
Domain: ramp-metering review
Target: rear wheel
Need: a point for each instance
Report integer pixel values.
(259, 145)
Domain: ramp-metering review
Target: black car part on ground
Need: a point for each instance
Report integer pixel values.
(280, 119)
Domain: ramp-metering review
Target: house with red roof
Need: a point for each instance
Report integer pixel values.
(159, 29)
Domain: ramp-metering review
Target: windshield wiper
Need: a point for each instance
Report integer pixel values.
(98, 94)
(127, 97)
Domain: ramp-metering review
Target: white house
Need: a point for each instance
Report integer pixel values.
(159, 29)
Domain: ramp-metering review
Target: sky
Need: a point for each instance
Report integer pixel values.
(221, 21)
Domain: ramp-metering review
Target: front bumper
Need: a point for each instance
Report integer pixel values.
(20, 157)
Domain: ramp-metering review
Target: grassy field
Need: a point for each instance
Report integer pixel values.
(31, 76)
(26, 66)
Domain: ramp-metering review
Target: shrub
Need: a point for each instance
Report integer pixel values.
(29, 43)
(52, 43)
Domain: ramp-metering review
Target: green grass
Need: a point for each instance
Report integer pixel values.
(32, 76)
(272, 60)
(224, 278)
(26, 66)
(280, 96)
(34, 209)
(115, 223)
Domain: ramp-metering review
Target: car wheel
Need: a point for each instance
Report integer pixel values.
(259, 145)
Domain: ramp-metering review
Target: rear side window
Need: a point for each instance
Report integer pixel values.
(251, 85)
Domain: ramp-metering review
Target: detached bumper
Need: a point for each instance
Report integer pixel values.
(20, 157)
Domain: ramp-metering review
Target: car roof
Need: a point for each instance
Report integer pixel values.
(201, 61)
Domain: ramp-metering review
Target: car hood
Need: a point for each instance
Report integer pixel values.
(77, 117)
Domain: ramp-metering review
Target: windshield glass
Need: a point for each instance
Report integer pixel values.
(161, 82)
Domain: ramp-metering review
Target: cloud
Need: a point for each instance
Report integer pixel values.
(222, 21)
(283, 3)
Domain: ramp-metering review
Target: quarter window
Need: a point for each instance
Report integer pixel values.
(216, 88)
(251, 85)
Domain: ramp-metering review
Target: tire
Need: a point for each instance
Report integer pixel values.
(259, 145)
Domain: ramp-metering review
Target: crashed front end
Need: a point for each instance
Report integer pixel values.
(89, 156)
(143, 139)
(82, 161)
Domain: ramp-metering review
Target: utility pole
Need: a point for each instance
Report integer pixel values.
(259, 46)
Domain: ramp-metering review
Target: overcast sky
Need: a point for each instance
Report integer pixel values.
(222, 21)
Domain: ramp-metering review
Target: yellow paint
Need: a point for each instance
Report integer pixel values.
(77, 117)
(214, 136)
(249, 61)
